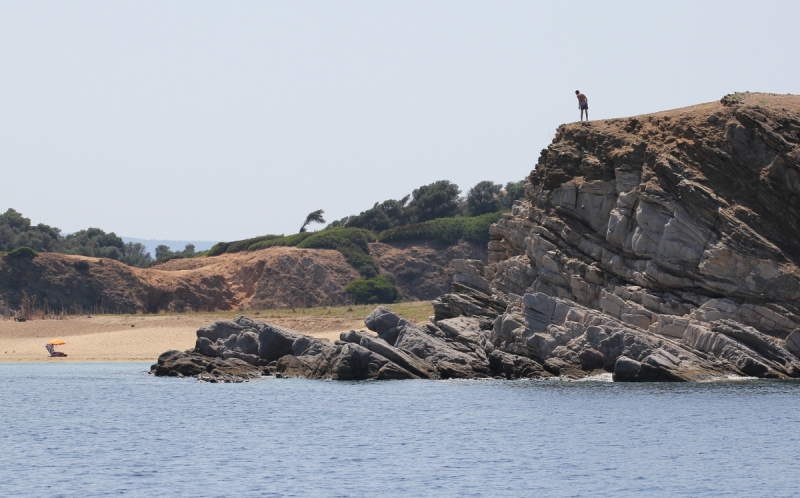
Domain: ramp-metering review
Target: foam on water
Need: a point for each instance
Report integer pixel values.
(601, 377)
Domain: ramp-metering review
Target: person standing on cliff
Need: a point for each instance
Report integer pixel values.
(583, 104)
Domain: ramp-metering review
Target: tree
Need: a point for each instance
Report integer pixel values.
(483, 198)
(93, 242)
(17, 231)
(163, 251)
(513, 191)
(437, 200)
(373, 290)
(313, 217)
(135, 254)
(387, 214)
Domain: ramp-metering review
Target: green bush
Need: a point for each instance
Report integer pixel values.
(164, 253)
(445, 231)
(353, 243)
(17, 231)
(22, 252)
(218, 248)
(375, 290)
(244, 245)
(334, 237)
(280, 240)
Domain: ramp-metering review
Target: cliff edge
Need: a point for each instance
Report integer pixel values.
(681, 225)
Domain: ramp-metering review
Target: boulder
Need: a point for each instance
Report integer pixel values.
(379, 346)
(512, 366)
(174, 363)
(275, 342)
(382, 319)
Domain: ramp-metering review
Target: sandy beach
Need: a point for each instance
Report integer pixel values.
(144, 337)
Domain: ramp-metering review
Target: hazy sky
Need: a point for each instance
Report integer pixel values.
(226, 120)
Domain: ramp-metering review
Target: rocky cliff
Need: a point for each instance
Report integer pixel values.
(662, 247)
(680, 229)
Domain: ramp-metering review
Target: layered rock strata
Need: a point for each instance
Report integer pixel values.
(242, 348)
(670, 239)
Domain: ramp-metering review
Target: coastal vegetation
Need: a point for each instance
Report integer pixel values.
(372, 290)
(17, 231)
(435, 213)
(164, 253)
(22, 252)
(313, 217)
(445, 231)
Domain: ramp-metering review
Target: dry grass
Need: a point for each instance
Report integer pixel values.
(417, 311)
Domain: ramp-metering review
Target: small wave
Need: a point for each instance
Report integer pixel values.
(730, 378)
(603, 377)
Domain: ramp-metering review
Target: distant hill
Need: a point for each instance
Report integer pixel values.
(271, 278)
(174, 245)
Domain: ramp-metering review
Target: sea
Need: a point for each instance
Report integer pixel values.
(111, 429)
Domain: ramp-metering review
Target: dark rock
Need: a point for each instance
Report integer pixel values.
(626, 369)
(793, 343)
(182, 364)
(515, 367)
(275, 342)
(441, 353)
(382, 319)
(220, 329)
(376, 345)
(466, 301)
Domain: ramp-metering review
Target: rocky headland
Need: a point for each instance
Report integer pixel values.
(662, 247)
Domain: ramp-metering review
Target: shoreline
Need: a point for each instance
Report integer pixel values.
(142, 338)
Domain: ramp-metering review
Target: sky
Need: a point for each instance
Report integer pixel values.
(199, 120)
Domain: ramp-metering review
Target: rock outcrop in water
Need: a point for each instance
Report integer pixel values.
(242, 348)
(658, 248)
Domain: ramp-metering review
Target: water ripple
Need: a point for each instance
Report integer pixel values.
(111, 429)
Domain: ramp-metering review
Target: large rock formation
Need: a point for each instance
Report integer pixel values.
(669, 240)
(241, 349)
(658, 248)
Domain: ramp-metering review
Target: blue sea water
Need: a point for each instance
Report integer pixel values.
(107, 429)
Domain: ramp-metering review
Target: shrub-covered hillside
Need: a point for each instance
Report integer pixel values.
(438, 200)
(17, 232)
(434, 212)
